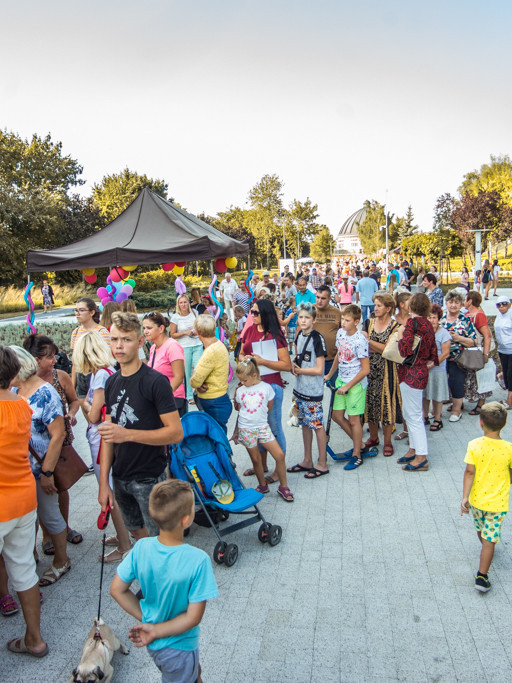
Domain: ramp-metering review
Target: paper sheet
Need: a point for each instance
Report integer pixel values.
(268, 351)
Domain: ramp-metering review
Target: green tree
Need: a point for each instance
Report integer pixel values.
(372, 238)
(322, 246)
(495, 176)
(117, 191)
(265, 219)
(301, 225)
(483, 210)
(432, 245)
(35, 178)
(234, 222)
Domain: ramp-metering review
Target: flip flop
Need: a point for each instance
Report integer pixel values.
(314, 473)
(17, 645)
(269, 480)
(299, 468)
(72, 535)
(48, 548)
(250, 472)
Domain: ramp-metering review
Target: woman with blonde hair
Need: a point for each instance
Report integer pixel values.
(182, 330)
(92, 356)
(196, 301)
(128, 306)
(106, 314)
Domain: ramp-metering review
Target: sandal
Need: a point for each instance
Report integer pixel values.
(19, 648)
(250, 472)
(8, 605)
(53, 574)
(48, 548)
(269, 480)
(475, 411)
(437, 425)
(115, 555)
(402, 435)
(422, 467)
(388, 450)
(298, 468)
(112, 541)
(72, 535)
(372, 442)
(404, 459)
(314, 473)
(262, 489)
(426, 421)
(285, 494)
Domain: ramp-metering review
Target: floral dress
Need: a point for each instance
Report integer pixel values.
(479, 320)
(383, 399)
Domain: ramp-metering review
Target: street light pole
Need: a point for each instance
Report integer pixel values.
(387, 237)
(284, 239)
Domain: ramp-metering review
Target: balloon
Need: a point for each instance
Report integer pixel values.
(180, 286)
(129, 268)
(88, 271)
(91, 279)
(109, 280)
(178, 270)
(105, 300)
(167, 266)
(100, 307)
(231, 261)
(118, 273)
(127, 289)
(117, 285)
(220, 265)
(181, 264)
(102, 292)
(121, 296)
(109, 288)
(130, 282)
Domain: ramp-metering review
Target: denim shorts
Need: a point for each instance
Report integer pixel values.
(132, 498)
(176, 666)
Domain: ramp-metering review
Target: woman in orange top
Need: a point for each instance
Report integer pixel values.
(18, 503)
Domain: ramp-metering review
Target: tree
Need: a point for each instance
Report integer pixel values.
(234, 222)
(35, 178)
(373, 239)
(301, 226)
(117, 191)
(443, 211)
(432, 245)
(483, 210)
(493, 177)
(323, 245)
(265, 219)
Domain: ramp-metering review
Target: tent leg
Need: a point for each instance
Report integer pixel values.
(211, 268)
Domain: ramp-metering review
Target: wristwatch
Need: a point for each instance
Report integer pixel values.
(48, 474)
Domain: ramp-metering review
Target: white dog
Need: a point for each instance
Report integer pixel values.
(294, 416)
(97, 654)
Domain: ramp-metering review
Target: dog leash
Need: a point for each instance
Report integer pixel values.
(97, 635)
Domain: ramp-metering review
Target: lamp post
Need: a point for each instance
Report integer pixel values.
(386, 228)
(284, 238)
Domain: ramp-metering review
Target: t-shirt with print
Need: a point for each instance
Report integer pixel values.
(148, 395)
(328, 322)
(171, 577)
(351, 348)
(161, 360)
(97, 381)
(254, 404)
(310, 387)
(492, 459)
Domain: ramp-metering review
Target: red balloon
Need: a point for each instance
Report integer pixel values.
(118, 274)
(181, 264)
(91, 279)
(220, 265)
(167, 266)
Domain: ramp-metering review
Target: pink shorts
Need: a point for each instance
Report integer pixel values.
(252, 437)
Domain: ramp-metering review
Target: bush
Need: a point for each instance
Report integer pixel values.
(59, 332)
(160, 300)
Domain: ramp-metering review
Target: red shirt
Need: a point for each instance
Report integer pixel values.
(417, 375)
(252, 334)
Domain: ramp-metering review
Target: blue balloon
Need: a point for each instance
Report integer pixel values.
(109, 288)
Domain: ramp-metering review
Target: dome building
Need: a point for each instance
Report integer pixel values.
(347, 240)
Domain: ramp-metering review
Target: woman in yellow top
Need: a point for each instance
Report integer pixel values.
(210, 378)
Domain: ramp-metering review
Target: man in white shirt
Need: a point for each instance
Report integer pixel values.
(227, 288)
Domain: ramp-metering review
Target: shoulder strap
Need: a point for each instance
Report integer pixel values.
(32, 451)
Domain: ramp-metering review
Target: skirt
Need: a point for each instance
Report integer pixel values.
(437, 387)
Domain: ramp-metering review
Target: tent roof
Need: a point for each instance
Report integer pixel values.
(150, 230)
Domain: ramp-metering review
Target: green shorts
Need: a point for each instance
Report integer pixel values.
(353, 402)
(488, 523)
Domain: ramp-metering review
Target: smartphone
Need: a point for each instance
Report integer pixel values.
(103, 518)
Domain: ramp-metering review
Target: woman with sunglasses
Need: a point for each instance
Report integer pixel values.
(266, 327)
(166, 356)
(503, 332)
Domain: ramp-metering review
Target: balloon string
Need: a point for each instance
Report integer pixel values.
(248, 285)
(30, 306)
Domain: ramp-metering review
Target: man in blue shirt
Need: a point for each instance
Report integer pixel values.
(304, 294)
(365, 289)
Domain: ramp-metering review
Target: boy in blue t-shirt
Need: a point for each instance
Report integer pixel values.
(176, 580)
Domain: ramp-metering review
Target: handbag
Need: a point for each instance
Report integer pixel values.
(392, 353)
(471, 359)
(69, 468)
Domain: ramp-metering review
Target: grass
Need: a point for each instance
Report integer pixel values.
(12, 301)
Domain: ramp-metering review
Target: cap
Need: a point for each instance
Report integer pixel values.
(503, 300)
(266, 272)
(313, 269)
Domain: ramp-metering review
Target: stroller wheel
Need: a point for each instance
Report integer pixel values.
(223, 516)
(263, 532)
(231, 555)
(275, 533)
(219, 552)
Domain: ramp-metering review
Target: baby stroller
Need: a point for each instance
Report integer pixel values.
(203, 459)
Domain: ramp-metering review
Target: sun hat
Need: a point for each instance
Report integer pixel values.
(503, 300)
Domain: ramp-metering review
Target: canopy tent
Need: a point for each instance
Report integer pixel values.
(151, 230)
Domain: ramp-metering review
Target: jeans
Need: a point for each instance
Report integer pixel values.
(132, 498)
(192, 355)
(219, 408)
(367, 311)
(274, 418)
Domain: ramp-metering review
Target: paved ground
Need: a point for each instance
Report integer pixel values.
(373, 581)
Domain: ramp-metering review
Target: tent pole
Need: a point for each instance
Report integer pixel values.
(211, 269)
(197, 268)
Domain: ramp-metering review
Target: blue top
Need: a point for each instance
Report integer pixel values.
(307, 296)
(366, 288)
(293, 321)
(46, 405)
(170, 578)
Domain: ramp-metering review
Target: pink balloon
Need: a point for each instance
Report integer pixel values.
(220, 265)
(180, 286)
(127, 289)
(105, 300)
(101, 292)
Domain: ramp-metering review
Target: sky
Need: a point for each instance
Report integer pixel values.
(393, 101)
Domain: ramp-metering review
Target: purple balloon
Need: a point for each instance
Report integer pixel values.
(127, 289)
(102, 292)
(121, 296)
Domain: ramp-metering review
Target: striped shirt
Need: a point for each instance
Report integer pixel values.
(80, 331)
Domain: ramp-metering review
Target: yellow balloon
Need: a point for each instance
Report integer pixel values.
(231, 261)
(88, 271)
(178, 270)
(129, 268)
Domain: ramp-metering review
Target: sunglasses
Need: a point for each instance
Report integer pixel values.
(255, 311)
(503, 303)
(151, 314)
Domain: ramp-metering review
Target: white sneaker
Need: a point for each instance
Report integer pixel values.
(454, 418)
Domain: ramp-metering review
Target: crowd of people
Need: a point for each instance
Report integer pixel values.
(390, 354)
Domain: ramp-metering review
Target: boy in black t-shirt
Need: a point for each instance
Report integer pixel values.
(141, 421)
